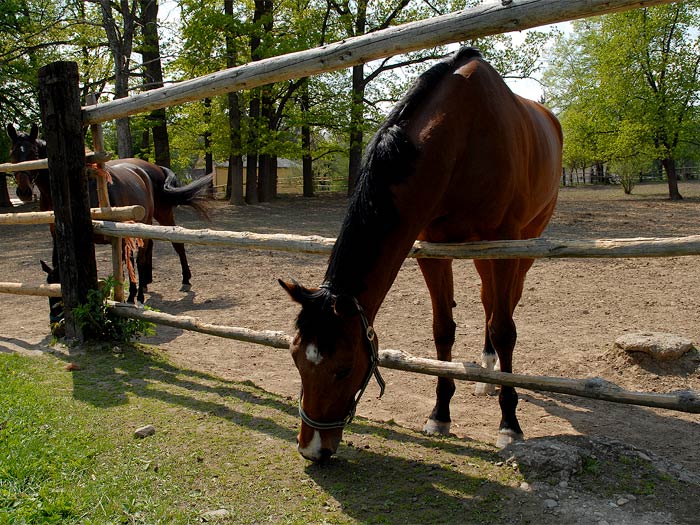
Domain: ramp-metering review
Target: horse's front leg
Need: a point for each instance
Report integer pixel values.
(438, 276)
(186, 274)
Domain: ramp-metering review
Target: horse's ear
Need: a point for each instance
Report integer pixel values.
(296, 291)
(34, 132)
(345, 306)
(46, 267)
(11, 132)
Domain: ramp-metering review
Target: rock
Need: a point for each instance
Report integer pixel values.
(659, 345)
(546, 458)
(551, 503)
(215, 515)
(146, 431)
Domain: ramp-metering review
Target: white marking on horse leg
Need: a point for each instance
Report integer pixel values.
(313, 450)
(489, 362)
(313, 355)
(506, 437)
(434, 427)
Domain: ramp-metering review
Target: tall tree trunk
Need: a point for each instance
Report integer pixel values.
(208, 158)
(120, 45)
(251, 177)
(306, 159)
(153, 78)
(264, 16)
(670, 167)
(251, 187)
(234, 186)
(266, 178)
(356, 125)
(357, 110)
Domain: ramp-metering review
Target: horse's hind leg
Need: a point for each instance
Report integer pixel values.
(502, 286)
(166, 217)
(489, 359)
(129, 260)
(438, 276)
(144, 264)
(186, 274)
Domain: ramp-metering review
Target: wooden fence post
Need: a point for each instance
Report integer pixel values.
(98, 146)
(59, 98)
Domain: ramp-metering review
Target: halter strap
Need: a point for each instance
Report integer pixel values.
(372, 348)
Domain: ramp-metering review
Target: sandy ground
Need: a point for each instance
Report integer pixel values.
(570, 315)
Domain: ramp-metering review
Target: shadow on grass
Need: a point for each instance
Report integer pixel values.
(6, 344)
(415, 479)
(394, 475)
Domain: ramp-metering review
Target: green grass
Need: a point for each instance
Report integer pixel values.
(68, 453)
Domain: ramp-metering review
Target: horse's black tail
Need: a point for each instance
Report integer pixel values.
(192, 194)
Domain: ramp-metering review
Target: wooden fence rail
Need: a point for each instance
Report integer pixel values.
(118, 213)
(488, 19)
(43, 164)
(595, 388)
(41, 290)
(529, 248)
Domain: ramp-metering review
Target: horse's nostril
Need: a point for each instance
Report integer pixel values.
(326, 454)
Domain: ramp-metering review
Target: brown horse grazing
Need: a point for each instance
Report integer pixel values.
(134, 181)
(460, 158)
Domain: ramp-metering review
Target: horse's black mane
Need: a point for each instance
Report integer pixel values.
(389, 159)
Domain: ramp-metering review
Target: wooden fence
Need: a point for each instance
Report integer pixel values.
(63, 125)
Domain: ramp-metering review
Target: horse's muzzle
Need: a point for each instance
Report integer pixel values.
(320, 445)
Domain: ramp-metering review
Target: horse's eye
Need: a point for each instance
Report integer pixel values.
(343, 373)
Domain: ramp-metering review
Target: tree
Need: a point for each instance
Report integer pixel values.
(153, 78)
(120, 36)
(34, 33)
(626, 86)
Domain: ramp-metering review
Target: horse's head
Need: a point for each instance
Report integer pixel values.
(25, 146)
(56, 313)
(335, 351)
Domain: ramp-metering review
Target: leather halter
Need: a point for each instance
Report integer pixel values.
(373, 352)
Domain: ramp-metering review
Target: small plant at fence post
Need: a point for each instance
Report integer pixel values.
(98, 324)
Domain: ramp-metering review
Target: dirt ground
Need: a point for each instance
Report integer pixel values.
(570, 315)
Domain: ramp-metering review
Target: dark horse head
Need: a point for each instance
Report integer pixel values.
(25, 146)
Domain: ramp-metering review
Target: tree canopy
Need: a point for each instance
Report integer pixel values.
(626, 89)
(325, 119)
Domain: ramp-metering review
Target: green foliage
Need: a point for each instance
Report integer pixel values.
(626, 86)
(97, 323)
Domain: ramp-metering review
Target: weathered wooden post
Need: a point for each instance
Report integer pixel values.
(59, 98)
(98, 146)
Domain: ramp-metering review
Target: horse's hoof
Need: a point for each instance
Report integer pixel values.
(485, 389)
(506, 437)
(186, 287)
(433, 427)
(139, 305)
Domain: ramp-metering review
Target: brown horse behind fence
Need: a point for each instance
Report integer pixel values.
(133, 181)
(460, 158)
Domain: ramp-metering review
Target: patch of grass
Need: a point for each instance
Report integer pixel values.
(68, 453)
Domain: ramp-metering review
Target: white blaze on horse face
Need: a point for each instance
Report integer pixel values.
(313, 355)
(312, 451)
